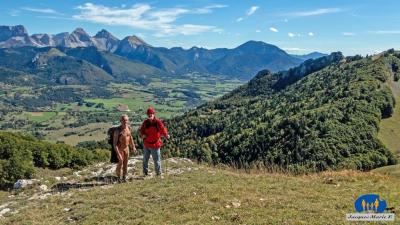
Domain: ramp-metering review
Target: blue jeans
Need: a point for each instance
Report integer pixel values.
(156, 154)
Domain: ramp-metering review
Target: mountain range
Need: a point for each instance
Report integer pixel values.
(241, 62)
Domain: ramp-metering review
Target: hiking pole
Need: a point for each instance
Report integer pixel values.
(166, 160)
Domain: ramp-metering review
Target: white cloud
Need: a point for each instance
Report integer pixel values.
(40, 10)
(294, 49)
(273, 29)
(55, 17)
(385, 32)
(249, 12)
(315, 12)
(348, 34)
(252, 10)
(258, 31)
(191, 29)
(208, 9)
(144, 16)
(291, 34)
(310, 34)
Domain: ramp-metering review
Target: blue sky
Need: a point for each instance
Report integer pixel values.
(297, 26)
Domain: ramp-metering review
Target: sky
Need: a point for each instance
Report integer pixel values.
(297, 26)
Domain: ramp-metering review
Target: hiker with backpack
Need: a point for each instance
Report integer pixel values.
(151, 131)
(121, 140)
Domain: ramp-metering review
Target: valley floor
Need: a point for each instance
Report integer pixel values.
(207, 195)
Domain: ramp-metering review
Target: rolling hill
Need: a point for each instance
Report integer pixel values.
(324, 114)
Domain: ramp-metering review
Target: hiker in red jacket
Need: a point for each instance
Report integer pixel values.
(151, 131)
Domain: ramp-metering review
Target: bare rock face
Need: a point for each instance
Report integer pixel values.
(14, 36)
(43, 40)
(104, 40)
(7, 32)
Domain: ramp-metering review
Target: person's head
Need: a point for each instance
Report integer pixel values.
(151, 112)
(124, 120)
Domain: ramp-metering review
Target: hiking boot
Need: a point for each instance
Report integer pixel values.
(119, 180)
(146, 176)
(160, 176)
(123, 179)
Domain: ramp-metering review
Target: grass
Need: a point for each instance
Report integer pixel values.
(393, 170)
(90, 132)
(112, 103)
(40, 116)
(216, 196)
(389, 132)
(3, 196)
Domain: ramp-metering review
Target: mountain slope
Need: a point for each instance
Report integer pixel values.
(389, 128)
(52, 66)
(15, 77)
(119, 67)
(328, 119)
(249, 58)
(83, 65)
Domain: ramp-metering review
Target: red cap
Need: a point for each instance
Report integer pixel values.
(150, 110)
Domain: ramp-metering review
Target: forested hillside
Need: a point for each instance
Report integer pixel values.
(20, 154)
(324, 114)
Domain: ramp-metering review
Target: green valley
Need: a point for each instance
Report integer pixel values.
(61, 113)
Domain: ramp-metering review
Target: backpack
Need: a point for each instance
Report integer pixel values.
(148, 124)
(110, 133)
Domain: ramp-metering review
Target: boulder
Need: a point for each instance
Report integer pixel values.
(43, 187)
(22, 183)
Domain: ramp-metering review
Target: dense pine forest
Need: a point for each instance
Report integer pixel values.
(323, 114)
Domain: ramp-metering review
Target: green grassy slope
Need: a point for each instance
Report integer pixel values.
(389, 129)
(389, 132)
(213, 196)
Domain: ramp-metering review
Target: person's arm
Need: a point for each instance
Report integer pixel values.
(115, 143)
(142, 130)
(131, 142)
(163, 129)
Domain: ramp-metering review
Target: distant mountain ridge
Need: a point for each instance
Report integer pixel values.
(17, 36)
(241, 62)
(49, 65)
(312, 55)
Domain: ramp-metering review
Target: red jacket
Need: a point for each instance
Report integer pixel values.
(153, 129)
